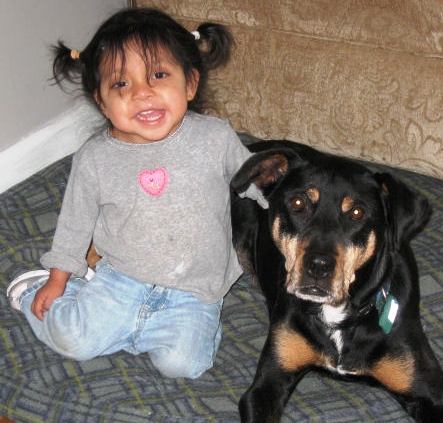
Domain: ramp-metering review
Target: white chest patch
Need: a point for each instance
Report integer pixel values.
(332, 316)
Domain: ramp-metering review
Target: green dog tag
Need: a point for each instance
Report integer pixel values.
(388, 309)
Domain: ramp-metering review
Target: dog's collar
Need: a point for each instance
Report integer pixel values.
(386, 305)
(372, 303)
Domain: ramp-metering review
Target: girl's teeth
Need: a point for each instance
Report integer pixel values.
(148, 115)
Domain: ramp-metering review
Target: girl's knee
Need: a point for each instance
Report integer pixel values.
(73, 348)
(68, 341)
(174, 364)
(188, 357)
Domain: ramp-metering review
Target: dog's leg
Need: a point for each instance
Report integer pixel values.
(424, 402)
(266, 398)
(416, 380)
(285, 358)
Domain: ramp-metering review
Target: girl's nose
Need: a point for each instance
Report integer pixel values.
(142, 90)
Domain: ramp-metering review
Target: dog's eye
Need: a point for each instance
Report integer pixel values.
(357, 213)
(297, 204)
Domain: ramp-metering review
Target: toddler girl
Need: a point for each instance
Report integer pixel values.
(152, 191)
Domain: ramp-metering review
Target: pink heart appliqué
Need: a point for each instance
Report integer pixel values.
(153, 181)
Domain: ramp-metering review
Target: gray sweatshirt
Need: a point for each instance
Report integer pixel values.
(158, 212)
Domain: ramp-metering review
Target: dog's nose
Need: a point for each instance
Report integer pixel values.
(319, 266)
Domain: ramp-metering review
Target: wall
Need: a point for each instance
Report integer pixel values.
(39, 122)
(27, 28)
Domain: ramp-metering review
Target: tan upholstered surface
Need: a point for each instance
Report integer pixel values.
(361, 78)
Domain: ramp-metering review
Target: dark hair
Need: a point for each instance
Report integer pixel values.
(150, 30)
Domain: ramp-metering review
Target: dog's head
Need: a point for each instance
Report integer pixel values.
(331, 218)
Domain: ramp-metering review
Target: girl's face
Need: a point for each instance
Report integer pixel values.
(145, 103)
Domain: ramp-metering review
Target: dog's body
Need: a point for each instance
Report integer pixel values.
(332, 257)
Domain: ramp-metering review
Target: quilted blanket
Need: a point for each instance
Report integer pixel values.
(39, 386)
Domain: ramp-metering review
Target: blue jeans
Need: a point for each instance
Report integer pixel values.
(113, 312)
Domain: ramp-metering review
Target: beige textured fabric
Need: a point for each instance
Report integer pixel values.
(361, 78)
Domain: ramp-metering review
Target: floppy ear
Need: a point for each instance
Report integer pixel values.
(407, 212)
(262, 169)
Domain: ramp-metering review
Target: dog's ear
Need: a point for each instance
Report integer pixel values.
(263, 169)
(407, 212)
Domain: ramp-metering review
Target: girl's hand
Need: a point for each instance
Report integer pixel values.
(52, 289)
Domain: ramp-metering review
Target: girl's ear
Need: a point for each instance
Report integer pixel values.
(192, 84)
(99, 102)
(97, 99)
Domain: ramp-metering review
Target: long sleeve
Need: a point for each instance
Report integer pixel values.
(77, 219)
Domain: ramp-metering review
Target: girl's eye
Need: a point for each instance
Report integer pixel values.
(159, 75)
(297, 204)
(119, 84)
(357, 213)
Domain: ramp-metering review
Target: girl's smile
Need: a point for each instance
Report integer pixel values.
(144, 102)
(150, 116)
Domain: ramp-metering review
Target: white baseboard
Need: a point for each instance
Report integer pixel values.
(57, 139)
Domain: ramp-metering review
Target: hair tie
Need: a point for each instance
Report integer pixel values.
(196, 35)
(75, 54)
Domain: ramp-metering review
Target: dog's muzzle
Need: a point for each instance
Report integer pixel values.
(319, 266)
(316, 276)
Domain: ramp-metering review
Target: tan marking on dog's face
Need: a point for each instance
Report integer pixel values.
(348, 261)
(313, 194)
(294, 351)
(347, 204)
(287, 245)
(356, 257)
(395, 373)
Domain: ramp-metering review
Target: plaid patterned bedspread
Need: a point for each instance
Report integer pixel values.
(39, 386)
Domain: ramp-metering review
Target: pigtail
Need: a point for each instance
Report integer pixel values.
(67, 65)
(215, 42)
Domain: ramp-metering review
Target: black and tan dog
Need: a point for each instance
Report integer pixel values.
(332, 256)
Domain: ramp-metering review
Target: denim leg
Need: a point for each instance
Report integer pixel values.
(91, 318)
(181, 333)
(112, 312)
